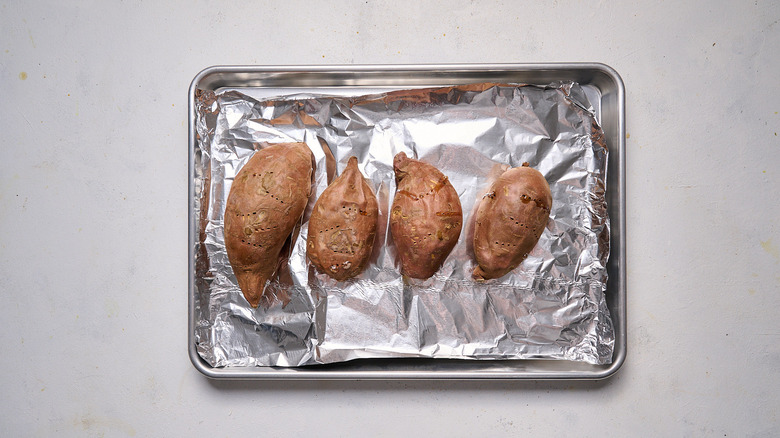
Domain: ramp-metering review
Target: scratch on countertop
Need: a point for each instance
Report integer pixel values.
(26, 120)
(29, 34)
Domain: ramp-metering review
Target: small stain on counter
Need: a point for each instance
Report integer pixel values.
(23, 75)
(770, 248)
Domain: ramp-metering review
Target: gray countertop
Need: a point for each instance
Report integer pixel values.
(93, 216)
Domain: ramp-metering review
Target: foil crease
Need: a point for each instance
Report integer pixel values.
(552, 306)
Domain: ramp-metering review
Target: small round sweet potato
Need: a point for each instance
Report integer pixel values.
(509, 221)
(266, 201)
(426, 217)
(343, 224)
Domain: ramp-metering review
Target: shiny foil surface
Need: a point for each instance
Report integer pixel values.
(552, 306)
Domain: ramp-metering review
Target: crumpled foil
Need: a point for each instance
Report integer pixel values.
(552, 306)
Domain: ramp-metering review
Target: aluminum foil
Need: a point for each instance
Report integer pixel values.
(552, 306)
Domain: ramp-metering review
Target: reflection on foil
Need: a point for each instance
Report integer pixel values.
(552, 306)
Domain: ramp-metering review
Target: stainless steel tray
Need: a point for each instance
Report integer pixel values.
(604, 88)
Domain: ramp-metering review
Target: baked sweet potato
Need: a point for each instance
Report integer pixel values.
(266, 201)
(426, 217)
(342, 226)
(509, 221)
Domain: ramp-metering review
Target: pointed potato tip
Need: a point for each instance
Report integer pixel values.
(399, 164)
(253, 298)
(352, 172)
(352, 164)
(478, 275)
(252, 286)
(399, 160)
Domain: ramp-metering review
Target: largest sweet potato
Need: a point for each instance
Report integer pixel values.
(509, 221)
(266, 201)
(426, 217)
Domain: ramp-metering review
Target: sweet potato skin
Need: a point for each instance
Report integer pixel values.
(343, 225)
(266, 201)
(426, 217)
(509, 221)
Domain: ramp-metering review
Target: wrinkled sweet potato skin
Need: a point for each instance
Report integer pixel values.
(266, 201)
(343, 225)
(426, 217)
(509, 221)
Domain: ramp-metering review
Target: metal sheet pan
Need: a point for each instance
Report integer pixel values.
(604, 88)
